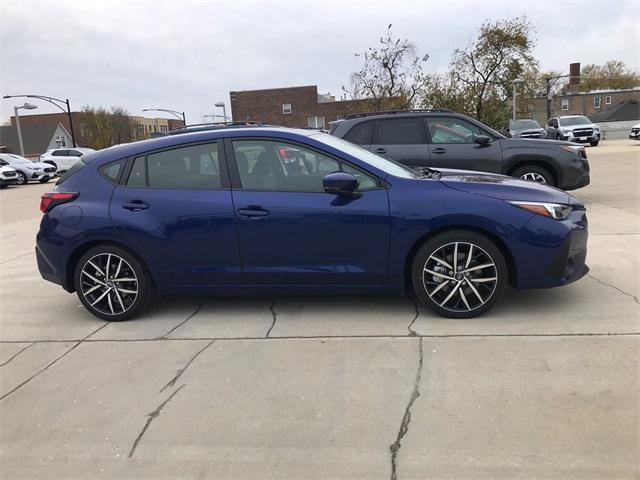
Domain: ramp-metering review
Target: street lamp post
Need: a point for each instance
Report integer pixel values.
(26, 106)
(224, 109)
(517, 81)
(56, 102)
(178, 115)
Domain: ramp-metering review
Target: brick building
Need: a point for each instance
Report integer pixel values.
(141, 127)
(582, 103)
(300, 107)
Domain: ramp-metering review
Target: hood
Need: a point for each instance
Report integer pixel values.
(503, 187)
(41, 165)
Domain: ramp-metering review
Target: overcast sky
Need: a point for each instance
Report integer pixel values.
(187, 55)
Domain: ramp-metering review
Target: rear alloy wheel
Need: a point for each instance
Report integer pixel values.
(22, 179)
(533, 173)
(112, 284)
(459, 274)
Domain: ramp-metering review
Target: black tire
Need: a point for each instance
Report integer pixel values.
(476, 298)
(3, 186)
(594, 144)
(116, 298)
(534, 172)
(44, 180)
(22, 179)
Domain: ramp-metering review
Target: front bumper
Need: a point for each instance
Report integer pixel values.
(8, 180)
(556, 253)
(570, 138)
(42, 175)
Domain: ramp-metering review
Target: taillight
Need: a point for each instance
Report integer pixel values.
(52, 199)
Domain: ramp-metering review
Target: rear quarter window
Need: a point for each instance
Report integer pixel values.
(112, 171)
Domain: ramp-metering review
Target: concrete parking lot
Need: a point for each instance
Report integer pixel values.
(544, 386)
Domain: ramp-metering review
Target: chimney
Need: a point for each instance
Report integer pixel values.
(574, 77)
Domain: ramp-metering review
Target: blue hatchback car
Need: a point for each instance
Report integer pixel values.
(276, 210)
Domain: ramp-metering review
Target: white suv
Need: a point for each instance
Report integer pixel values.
(64, 158)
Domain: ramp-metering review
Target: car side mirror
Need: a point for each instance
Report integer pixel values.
(340, 183)
(483, 140)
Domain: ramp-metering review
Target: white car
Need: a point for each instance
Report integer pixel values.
(27, 170)
(64, 158)
(8, 176)
(634, 134)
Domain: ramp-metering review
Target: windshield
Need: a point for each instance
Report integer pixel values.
(522, 124)
(568, 121)
(386, 165)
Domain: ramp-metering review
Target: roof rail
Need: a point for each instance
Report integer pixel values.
(396, 112)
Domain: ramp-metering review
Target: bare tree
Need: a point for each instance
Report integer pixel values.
(103, 128)
(392, 75)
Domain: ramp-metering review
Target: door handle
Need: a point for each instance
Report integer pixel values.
(381, 150)
(135, 205)
(439, 150)
(253, 211)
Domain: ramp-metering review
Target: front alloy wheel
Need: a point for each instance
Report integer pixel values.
(112, 284)
(459, 274)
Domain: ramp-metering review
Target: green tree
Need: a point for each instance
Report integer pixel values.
(391, 76)
(614, 74)
(103, 128)
(481, 75)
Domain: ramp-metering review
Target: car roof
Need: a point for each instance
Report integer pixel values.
(137, 148)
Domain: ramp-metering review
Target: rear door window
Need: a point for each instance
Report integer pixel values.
(360, 134)
(400, 131)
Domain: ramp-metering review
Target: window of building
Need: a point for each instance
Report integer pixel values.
(163, 128)
(400, 131)
(286, 108)
(565, 104)
(607, 100)
(596, 102)
(315, 121)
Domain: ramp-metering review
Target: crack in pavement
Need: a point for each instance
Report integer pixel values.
(196, 311)
(60, 357)
(635, 299)
(412, 332)
(330, 337)
(15, 258)
(179, 373)
(16, 354)
(394, 448)
(275, 316)
(151, 416)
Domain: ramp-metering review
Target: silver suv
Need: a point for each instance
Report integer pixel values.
(574, 128)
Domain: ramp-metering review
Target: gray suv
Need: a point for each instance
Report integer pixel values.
(574, 128)
(441, 138)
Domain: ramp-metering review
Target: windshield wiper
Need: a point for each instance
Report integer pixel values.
(426, 172)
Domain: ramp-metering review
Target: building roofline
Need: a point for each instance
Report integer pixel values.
(275, 88)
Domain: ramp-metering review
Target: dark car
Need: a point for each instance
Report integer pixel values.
(525, 128)
(276, 210)
(441, 138)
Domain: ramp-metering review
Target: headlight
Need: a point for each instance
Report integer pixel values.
(553, 210)
(565, 130)
(596, 128)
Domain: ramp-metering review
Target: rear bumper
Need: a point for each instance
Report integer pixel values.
(49, 272)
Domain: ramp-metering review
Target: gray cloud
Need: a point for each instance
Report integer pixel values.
(190, 54)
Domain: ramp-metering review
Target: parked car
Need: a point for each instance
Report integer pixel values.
(236, 220)
(64, 158)
(574, 128)
(26, 170)
(441, 138)
(8, 176)
(634, 134)
(525, 128)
